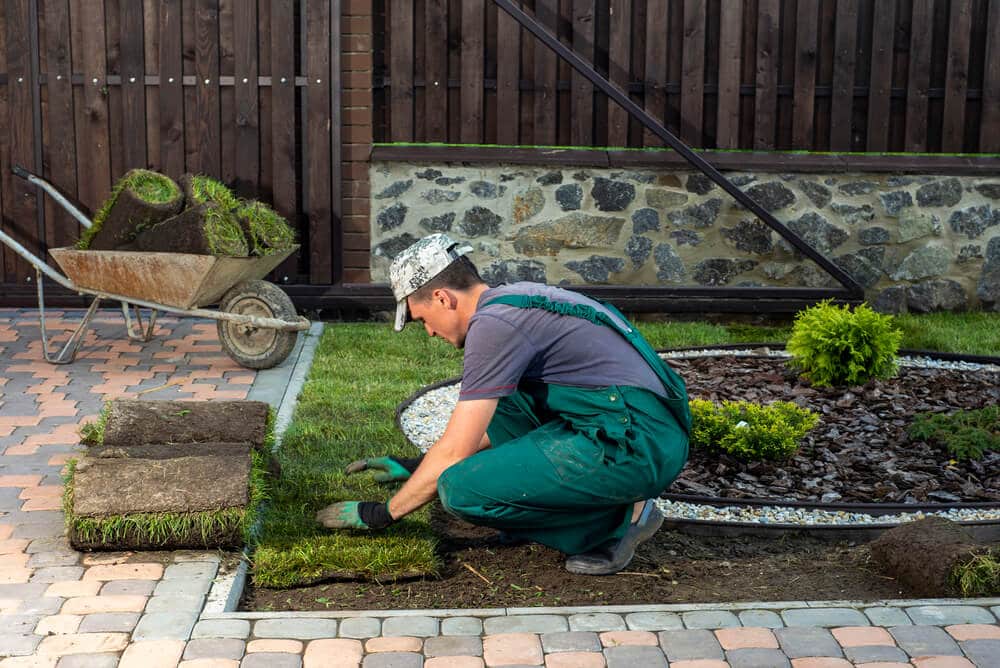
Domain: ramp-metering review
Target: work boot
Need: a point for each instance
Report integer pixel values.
(611, 559)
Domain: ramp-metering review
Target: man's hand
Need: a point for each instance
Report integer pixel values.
(355, 515)
(389, 469)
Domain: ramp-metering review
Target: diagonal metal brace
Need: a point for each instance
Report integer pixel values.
(530, 24)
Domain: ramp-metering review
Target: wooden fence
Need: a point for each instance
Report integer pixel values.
(824, 75)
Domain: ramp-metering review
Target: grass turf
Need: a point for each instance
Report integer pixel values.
(146, 185)
(362, 371)
(267, 231)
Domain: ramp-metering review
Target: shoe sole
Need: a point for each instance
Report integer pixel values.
(649, 523)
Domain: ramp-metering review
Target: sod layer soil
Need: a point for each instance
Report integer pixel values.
(859, 451)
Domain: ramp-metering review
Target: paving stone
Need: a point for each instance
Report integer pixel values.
(654, 621)
(974, 631)
(296, 627)
(945, 615)
(57, 573)
(709, 619)
(134, 587)
(274, 645)
(186, 587)
(461, 626)
(756, 658)
(620, 638)
(747, 637)
(23, 590)
(631, 656)
(394, 644)
(925, 641)
(511, 649)
(690, 644)
(761, 618)
(885, 616)
(88, 661)
(996, 611)
(800, 642)
(58, 624)
(457, 662)
(222, 628)
(875, 654)
(12, 644)
(333, 653)
(19, 624)
(824, 617)
(82, 643)
(573, 660)
(360, 627)
(215, 648)
(418, 626)
(571, 641)
(393, 660)
(525, 624)
(165, 626)
(175, 603)
(271, 660)
(596, 621)
(107, 622)
(191, 569)
(453, 646)
(983, 652)
(43, 559)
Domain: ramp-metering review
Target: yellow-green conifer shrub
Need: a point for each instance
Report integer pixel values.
(749, 431)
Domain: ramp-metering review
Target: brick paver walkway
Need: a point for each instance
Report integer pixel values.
(63, 609)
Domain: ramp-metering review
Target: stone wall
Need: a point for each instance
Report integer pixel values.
(918, 243)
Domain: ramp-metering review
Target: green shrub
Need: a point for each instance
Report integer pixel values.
(833, 345)
(980, 576)
(965, 434)
(750, 431)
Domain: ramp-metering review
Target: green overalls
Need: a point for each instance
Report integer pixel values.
(566, 463)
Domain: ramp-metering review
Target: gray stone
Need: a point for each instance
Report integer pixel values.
(972, 222)
(669, 266)
(417, 626)
(895, 201)
(903, 181)
(612, 195)
(875, 654)
(57, 573)
(892, 300)
(887, 616)
(47, 605)
(741, 180)
(480, 221)
(438, 196)
(581, 175)
(504, 178)
(720, 271)
(816, 231)
(663, 199)
(940, 193)
(990, 190)
(988, 286)
(709, 619)
(630, 656)
(807, 641)
(572, 641)
(930, 260)
(914, 225)
(215, 648)
(175, 602)
(596, 268)
(860, 268)
(453, 646)
(700, 215)
(638, 249)
(395, 190)
(993, 250)
(550, 178)
(191, 569)
(17, 624)
(936, 295)
(751, 236)
(982, 652)
(185, 587)
(853, 215)
(282, 660)
(428, 174)
(300, 628)
(969, 253)
(756, 658)
(924, 641)
(575, 230)
(644, 220)
(699, 184)
(15, 644)
(360, 627)
(486, 190)
(653, 621)
(88, 661)
(165, 626)
(817, 193)
(391, 217)
(772, 196)
(569, 196)
(690, 644)
(440, 223)
(449, 180)
(855, 188)
(527, 205)
(689, 237)
(597, 621)
(109, 622)
(42, 559)
(222, 628)
(525, 624)
(946, 615)
(461, 626)
(761, 619)
(824, 617)
(873, 236)
(512, 271)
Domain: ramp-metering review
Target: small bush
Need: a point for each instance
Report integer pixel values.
(979, 576)
(750, 431)
(833, 345)
(965, 434)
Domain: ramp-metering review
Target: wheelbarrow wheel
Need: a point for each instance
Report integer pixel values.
(255, 347)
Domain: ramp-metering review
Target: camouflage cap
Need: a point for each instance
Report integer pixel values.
(417, 265)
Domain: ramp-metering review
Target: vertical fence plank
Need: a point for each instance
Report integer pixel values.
(989, 129)
(785, 59)
(919, 78)
(247, 94)
(283, 151)
(546, 12)
(655, 78)
(6, 178)
(620, 50)
(693, 72)
(842, 105)
(61, 140)
(473, 25)
(766, 96)
(317, 134)
(21, 213)
(436, 70)
(171, 90)
(93, 156)
(151, 55)
(401, 74)
(508, 73)
(133, 71)
(265, 175)
(582, 102)
(113, 93)
(804, 96)
(957, 78)
(208, 109)
(727, 133)
(336, 101)
(880, 81)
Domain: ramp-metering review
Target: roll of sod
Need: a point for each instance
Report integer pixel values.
(205, 229)
(129, 422)
(139, 200)
(266, 231)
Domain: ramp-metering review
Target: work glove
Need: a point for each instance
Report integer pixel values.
(389, 469)
(355, 515)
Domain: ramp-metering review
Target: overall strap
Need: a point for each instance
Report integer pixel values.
(673, 384)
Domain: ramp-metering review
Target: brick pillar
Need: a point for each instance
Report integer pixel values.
(356, 84)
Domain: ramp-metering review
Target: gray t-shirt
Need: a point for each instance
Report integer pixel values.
(506, 344)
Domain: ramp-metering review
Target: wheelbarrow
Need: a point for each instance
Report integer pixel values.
(256, 321)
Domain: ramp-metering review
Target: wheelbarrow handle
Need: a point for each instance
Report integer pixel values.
(53, 193)
(20, 171)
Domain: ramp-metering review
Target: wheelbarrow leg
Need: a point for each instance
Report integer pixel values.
(69, 350)
(136, 331)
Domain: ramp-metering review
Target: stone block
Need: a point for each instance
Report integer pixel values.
(296, 627)
(653, 621)
(360, 627)
(762, 618)
(946, 615)
(596, 621)
(461, 626)
(109, 622)
(271, 660)
(802, 642)
(222, 628)
(165, 626)
(418, 626)
(925, 641)
(525, 624)
(690, 644)
(215, 648)
(572, 641)
(757, 658)
(875, 654)
(453, 646)
(709, 619)
(983, 652)
(824, 617)
(635, 655)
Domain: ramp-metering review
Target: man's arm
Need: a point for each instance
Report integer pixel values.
(464, 436)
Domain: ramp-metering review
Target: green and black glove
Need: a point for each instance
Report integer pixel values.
(389, 469)
(355, 515)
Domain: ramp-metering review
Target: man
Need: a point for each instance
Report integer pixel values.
(567, 427)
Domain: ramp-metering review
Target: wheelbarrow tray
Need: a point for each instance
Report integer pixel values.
(179, 280)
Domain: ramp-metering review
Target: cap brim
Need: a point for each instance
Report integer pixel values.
(401, 312)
